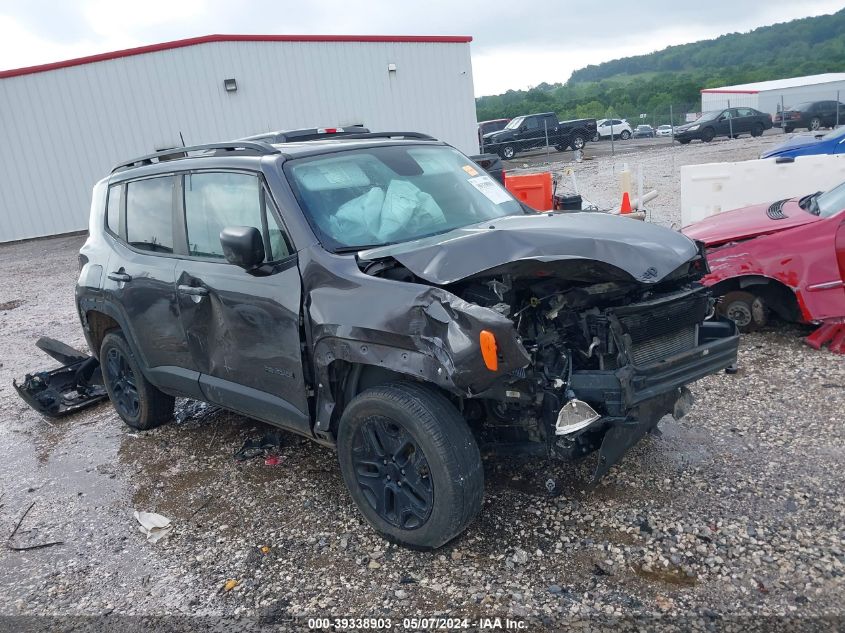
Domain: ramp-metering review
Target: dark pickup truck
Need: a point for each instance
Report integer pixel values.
(538, 130)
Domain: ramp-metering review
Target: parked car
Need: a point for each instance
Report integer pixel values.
(493, 125)
(619, 128)
(531, 131)
(664, 130)
(812, 115)
(787, 258)
(383, 296)
(727, 122)
(810, 144)
(644, 131)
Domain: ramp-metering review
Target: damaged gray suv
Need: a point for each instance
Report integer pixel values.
(382, 295)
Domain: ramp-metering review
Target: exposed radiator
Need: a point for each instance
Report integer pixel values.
(660, 347)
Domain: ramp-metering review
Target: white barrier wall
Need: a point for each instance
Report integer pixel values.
(715, 187)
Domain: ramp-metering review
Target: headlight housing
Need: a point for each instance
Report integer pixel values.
(692, 128)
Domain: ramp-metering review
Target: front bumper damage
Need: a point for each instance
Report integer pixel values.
(637, 397)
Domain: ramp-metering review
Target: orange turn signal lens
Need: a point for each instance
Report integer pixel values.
(489, 351)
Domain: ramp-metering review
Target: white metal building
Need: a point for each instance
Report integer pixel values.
(767, 96)
(64, 125)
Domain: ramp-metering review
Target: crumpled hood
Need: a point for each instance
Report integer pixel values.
(646, 252)
(745, 223)
(799, 141)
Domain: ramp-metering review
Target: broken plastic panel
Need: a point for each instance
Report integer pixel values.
(74, 386)
(576, 415)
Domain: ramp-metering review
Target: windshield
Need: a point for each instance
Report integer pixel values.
(515, 123)
(383, 195)
(830, 202)
(709, 115)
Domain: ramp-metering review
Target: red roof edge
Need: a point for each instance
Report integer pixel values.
(205, 39)
(730, 92)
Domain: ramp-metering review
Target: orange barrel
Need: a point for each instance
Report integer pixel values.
(535, 190)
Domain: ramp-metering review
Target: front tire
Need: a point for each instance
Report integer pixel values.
(410, 464)
(596, 137)
(140, 404)
(707, 135)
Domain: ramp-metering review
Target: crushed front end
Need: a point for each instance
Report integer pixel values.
(608, 361)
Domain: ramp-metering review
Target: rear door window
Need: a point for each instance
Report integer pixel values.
(149, 214)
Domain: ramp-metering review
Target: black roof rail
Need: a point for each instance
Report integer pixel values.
(417, 135)
(174, 153)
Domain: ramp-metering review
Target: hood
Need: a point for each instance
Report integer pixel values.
(497, 134)
(646, 252)
(800, 141)
(748, 222)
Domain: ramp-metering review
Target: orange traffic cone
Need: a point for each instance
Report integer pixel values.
(626, 204)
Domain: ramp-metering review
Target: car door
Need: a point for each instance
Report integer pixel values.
(242, 329)
(141, 278)
(533, 135)
(722, 125)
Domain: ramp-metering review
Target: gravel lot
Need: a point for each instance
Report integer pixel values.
(732, 514)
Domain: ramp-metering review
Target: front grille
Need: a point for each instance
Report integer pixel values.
(652, 350)
(775, 211)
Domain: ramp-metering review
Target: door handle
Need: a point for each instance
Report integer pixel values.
(194, 291)
(119, 276)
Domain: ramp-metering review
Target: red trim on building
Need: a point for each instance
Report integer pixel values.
(205, 39)
(730, 92)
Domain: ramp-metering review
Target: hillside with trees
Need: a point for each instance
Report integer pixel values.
(674, 76)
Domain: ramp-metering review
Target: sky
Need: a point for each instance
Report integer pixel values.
(515, 44)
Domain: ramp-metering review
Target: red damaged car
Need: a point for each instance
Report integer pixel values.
(786, 258)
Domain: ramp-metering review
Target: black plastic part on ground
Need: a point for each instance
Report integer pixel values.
(76, 385)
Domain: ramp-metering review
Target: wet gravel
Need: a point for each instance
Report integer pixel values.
(731, 517)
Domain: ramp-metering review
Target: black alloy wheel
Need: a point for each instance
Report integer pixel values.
(393, 473)
(122, 380)
(137, 401)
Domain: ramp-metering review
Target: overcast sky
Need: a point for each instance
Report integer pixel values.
(515, 44)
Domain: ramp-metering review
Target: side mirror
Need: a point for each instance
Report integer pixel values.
(242, 246)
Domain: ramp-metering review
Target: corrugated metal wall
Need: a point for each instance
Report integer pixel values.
(771, 99)
(62, 130)
(719, 100)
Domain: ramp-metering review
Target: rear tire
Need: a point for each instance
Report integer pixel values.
(140, 404)
(577, 142)
(747, 310)
(596, 137)
(406, 433)
(757, 130)
(815, 124)
(507, 152)
(625, 135)
(788, 129)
